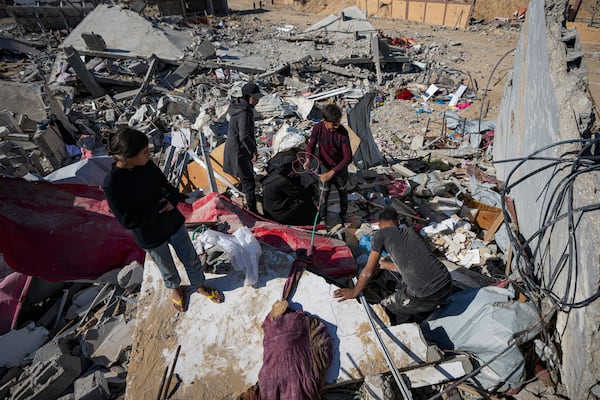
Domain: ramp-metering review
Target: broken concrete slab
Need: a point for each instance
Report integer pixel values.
(19, 343)
(176, 78)
(240, 350)
(205, 50)
(86, 77)
(128, 35)
(47, 379)
(23, 99)
(18, 47)
(130, 276)
(350, 21)
(105, 344)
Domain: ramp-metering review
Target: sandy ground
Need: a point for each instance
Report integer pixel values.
(476, 52)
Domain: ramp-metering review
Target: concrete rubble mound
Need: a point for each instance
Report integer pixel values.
(422, 134)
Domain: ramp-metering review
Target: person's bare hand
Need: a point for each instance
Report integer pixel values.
(306, 164)
(254, 157)
(325, 177)
(343, 294)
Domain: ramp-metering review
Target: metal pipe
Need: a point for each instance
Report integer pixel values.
(401, 384)
(166, 394)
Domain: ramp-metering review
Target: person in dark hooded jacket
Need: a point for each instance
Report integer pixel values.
(285, 199)
(240, 147)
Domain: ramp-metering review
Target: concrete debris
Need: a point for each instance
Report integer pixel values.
(173, 79)
(48, 376)
(130, 276)
(106, 344)
(93, 386)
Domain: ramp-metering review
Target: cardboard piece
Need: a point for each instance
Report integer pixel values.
(197, 177)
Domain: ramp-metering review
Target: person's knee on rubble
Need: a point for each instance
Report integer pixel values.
(285, 198)
(143, 201)
(240, 151)
(334, 155)
(410, 282)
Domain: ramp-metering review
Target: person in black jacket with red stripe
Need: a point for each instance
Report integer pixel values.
(143, 201)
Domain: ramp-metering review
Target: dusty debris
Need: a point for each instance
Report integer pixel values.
(416, 140)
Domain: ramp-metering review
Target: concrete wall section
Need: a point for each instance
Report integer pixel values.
(546, 102)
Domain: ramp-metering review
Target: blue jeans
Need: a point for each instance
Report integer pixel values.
(184, 249)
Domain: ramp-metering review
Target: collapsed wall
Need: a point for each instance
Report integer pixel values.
(546, 102)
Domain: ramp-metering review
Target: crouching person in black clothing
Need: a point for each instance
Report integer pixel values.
(143, 201)
(411, 283)
(285, 199)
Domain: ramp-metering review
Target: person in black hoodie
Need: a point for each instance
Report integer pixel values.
(240, 147)
(285, 199)
(143, 201)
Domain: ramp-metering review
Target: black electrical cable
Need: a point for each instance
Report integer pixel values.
(562, 195)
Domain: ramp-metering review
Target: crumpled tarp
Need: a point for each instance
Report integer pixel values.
(484, 321)
(331, 257)
(89, 171)
(367, 155)
(61, 231)
(66, 232)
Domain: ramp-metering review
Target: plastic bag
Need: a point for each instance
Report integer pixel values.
(287, 138)
(242, 247)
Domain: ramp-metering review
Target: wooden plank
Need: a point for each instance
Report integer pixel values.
(494, 227)
(486, 216)
(197, 177)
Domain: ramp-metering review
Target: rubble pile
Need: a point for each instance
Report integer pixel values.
(79, 346)
(433, 164)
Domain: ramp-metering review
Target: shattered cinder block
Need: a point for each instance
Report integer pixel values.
(93, 41)
(47, 379)
(92, 387)
(379, 387)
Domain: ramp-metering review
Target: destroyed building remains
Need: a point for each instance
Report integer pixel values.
(454, 147)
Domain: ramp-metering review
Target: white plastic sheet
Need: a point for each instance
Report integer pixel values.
(484, 321)
(287, 138)
(242, 247)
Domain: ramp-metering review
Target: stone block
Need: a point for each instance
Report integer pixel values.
(92, 387)
(52, 349)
